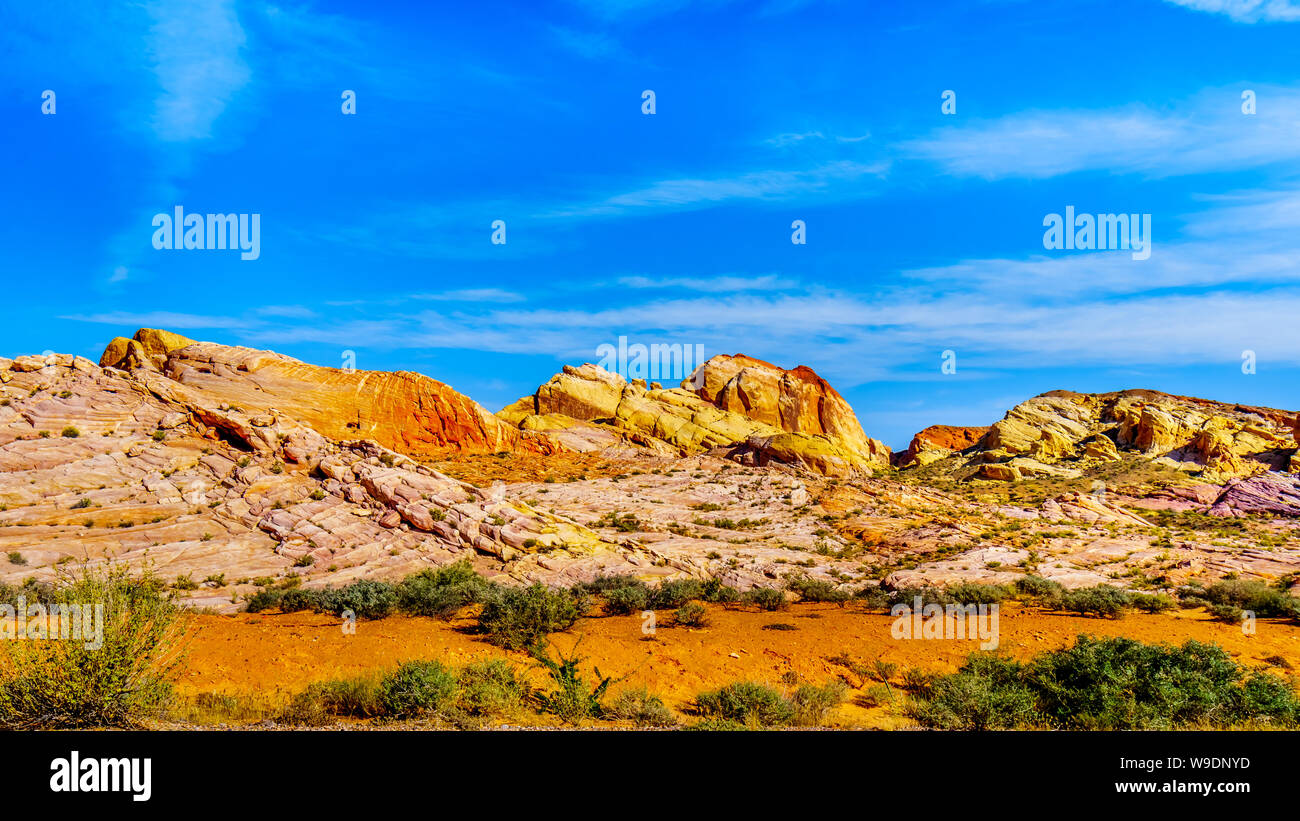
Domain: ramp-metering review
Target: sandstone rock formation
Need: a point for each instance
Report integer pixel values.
(1076, 432)
(226, 468)
(748, 410)
(101, 463)
(937, 442)
(404, 411)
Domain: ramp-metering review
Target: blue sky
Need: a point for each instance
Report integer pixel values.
(924, 230)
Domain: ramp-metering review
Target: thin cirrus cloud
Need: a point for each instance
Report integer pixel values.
(1247, 11)
(195, 49)
(1208, 133)
(722, 284)
(690, 193)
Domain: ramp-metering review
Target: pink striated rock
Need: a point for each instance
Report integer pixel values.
(1274, 493)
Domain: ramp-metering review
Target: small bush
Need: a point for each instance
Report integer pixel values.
(298, 599)
(571, 699)
(1036, 587)
(418, 688)
(642, 708)
(1109, 684)
(521, 617)
(70, 432)
(120, 682)
(632, 598)
(1103, 601)
(443, 592)
(985, 694)
(1147, 603)
(766, 598)
(490, 688)
(713, 590)
(691, 614)
(17, 558)
(1255, 596)
(747, 703)
(670, 595)
(973, 593)
(366, 598)
(813, 704)
(816, 590)
(264, 600)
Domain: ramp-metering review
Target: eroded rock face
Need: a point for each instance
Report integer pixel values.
(796, 401)
(1215, 441)
(937, 442)
(752, 411)
(133, 466)
(224, 466)
(404, 411)
(1270, 493)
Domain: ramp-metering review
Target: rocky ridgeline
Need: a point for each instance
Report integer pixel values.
(227, 467)
(1065, 434)
(132, 464)
(734, 407)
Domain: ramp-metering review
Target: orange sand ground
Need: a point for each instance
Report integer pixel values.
(276, 655)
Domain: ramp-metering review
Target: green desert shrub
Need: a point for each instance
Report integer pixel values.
(747, 703)
(1109, 684)
(1152, 603)
(975, 593)
(490, 688)
(571, 697)
(927, 595)
(1256, 596)
(441, 593)
(417, 689)
(1103, 601)
(519, 617)
(323, 701)
(296, 599)
(816, 590)
(987, 693)
(814, 703)
(642, 708)
(672, 594)
(713, 590)
(767, 598)
(631, 598)
(691, 614)
(366, 599)
(1036, 587)
(116, 679)
(264, 600)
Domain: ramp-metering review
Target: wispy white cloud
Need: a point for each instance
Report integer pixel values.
(195, 48)
(159, 319)
(1207, 133)
(772, 185)
(494, 295)
(1247, 11)
(721, 284)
